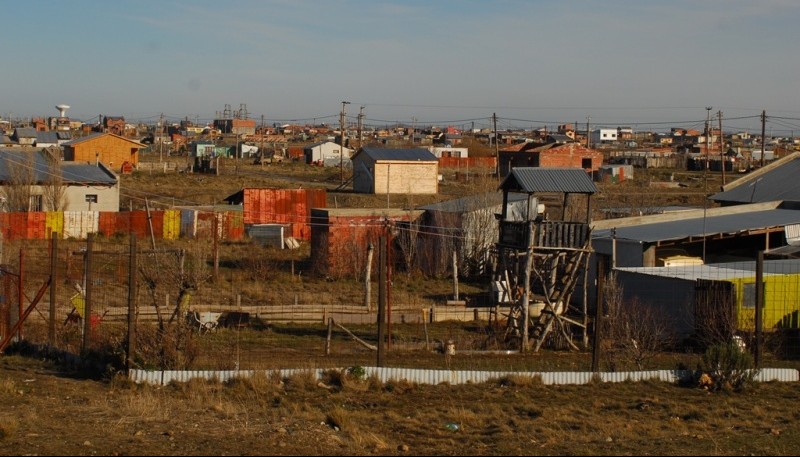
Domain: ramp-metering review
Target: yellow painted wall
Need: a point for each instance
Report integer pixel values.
(172, 224)
(54, 223)
(781, 302)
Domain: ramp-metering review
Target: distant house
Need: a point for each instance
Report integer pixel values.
(112, 150)
(395, 171)
(38, 178)
(326, 153)
(603, 135)
(24, 136)
(114, 124)
(466, 226)
(777, 181)
(551, 155)
(439, 152)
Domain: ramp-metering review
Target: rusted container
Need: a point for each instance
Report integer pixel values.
(5, 228)
(137, 223)
(283, 206)
(340, 237)
(18, 226)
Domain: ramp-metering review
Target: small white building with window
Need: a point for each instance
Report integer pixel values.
(36, 181)
(603, 135)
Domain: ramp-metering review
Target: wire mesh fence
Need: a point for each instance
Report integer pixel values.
(181, 306)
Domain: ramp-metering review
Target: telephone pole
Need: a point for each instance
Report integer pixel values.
(721, 146)
(763, 137)
(496, 146)
(341, 150)
(708, 132)
(161, 138)
(360, 125)
(588, 134)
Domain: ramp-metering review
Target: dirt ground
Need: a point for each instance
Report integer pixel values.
(50, 412)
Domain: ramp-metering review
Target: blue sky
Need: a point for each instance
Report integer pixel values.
(647, 64)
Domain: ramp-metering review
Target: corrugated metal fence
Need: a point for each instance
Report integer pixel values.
(434, 377)
(166, 224)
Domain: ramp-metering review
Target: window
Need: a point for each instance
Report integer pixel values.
(749, 291)
(91, 198)
(35, 203)
(586, 162)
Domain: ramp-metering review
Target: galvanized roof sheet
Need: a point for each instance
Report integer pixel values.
(11, 160)
(700, 226)
(414, 154)
(719, 271)
(539, 179)
(778, 181)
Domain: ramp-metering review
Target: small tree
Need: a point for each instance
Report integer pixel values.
(635, 331)
(728, 366)
(53, 189)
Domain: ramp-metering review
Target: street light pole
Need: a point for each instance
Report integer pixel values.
(341, 149)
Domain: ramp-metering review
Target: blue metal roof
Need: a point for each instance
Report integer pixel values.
(539, 179)
(415, 154)
(700, 226)
(78, 173)
(775, 182)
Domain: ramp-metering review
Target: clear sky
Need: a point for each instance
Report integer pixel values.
(646, 64)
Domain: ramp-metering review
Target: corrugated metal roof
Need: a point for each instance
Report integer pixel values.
(415, 154)
(777, 181)
(466, 204)
(538, 179)
(699, 226)
(47, 137)
(25, 132)
(11, 160)
(694, 272)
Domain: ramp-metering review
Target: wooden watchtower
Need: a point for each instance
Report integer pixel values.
(543, 251)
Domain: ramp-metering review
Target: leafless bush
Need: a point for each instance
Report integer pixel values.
(635, 332)
(22, 177)
(53, 189)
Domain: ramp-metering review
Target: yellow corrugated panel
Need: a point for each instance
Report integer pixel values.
(54, 223)
(172, 224)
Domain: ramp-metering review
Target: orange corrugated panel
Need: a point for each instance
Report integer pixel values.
(36, 226)
(124, 222)
(5, 228)
(234, 225)
(107, 223)
(18, 223)
(250, 202)
(138, 223)
(157, 219)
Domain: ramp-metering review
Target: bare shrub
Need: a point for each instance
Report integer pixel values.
(53, 188)
(635, 332)
(22, 177)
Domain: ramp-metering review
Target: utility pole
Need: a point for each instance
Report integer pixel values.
(588, 135)
(341, 150)
(496, 147)
(161, 138)
(763, 138)
(708, 132)
(721, 146)
(360, 125)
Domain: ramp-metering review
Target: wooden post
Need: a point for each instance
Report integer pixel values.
(381, 300)
(585, 330)
(132, 267)
(150, 223)
(367, 274)
(389, 289)
(87, 305)
(20, 293)
(526, 308)
(216, 249)
(51, 327)
(598, 313)
(425, 328)
(328, 339)
(759, 307)
(455, 275)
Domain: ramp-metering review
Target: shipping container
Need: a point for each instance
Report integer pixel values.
(234, 225)
(107, 223)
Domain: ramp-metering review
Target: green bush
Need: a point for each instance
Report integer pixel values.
(728, 366)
